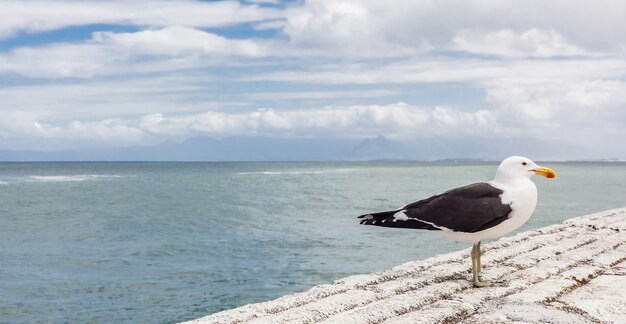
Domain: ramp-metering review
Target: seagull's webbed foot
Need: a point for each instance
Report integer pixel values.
(479, 282)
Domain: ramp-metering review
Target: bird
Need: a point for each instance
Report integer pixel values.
(475, 212)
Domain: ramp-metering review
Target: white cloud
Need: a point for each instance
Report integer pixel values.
(533, 43)
(370, 25)
(22, 129)
(360, 28)
(169, 94)
(340, 121)
(546, 68)
(586, 113)
(107, 53)
(450, 117)
(436, 70)
(355, 28)
(345, 29)
(274, 2)
(267, 25)
(176, 41)
(57, 101)
(158, 124)
(58, 61)
(395, 120)
(109, 131)
(315, 95)
(37, 16)
(569, 103)
(376, 28)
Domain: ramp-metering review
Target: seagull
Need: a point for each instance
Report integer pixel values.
(472, 213)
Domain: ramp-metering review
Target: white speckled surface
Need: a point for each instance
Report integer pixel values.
(573, 272)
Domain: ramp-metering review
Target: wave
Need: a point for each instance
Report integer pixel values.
(70, 178)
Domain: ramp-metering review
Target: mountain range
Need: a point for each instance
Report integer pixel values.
(280, 149)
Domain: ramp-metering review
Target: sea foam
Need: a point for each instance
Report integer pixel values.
(70, 178)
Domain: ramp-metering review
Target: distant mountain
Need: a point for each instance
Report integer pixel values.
(245, 149)
(276, 149)
(204, 149)
(379, 148)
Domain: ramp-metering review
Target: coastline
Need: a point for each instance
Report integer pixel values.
(569, 272)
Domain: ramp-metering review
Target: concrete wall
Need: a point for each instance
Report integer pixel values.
(573, 272)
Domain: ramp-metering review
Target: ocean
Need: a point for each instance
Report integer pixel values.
(167, 242)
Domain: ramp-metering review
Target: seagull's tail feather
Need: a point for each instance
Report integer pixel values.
(373, 218)
(390, 219)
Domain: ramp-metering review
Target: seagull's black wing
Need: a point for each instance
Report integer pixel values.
(469, 209)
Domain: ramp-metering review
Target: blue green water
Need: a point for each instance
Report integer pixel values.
(166, 242)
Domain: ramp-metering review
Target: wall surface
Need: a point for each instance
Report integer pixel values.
(573, 272)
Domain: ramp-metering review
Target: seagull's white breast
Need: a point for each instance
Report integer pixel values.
(522, 197)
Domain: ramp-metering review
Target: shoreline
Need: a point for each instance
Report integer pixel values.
(569, 272)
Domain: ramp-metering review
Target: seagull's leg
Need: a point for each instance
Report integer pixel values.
(479, 266)
(474, 254)
(477, 279)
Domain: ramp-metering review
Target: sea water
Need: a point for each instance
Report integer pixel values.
(166, 242)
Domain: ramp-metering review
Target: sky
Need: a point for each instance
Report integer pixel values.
(85, 74)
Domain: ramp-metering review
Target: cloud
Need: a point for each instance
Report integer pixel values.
(355, 28)
(566, 109)
(23, 130)
(108, 53)
(364, 28)
(343, 29)
(37, 16)
(340, 121)
(274, 2)
(319, 95)
(55, 102)
(314, 68)
(357, 121)
(450, 69)
(268, 25)
(317, 27)
(170, 93)
(586, 113)
(375, 28)
(508, 43)
(176, 41)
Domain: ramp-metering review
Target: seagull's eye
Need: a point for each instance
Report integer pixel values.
(524, 163)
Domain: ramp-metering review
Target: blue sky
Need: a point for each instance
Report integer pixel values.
(77, 74)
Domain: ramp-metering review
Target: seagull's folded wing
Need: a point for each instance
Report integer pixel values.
(472, 208)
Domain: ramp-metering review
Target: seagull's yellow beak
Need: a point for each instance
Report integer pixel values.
(544, 172)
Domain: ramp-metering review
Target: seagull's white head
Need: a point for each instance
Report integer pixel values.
(519, 167)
